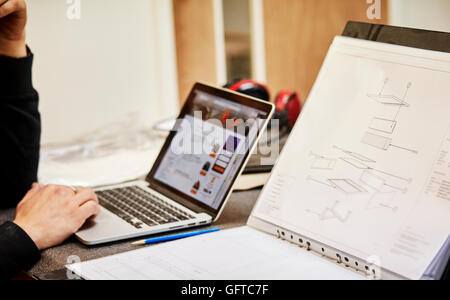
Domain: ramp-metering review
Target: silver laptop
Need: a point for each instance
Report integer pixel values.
(194, 174)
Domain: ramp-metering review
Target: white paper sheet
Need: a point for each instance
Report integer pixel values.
(367, 168)
(240, 254)
(436, 270)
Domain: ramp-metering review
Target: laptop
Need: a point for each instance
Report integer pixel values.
(194, 174)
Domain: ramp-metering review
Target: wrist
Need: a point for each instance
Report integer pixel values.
(16, 49)
(32, 235)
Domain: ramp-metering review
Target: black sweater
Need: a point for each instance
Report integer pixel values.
(20, 130)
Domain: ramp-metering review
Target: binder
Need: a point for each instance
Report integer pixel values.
(402, 36)
(409, 40)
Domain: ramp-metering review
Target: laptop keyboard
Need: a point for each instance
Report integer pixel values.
(138, 207)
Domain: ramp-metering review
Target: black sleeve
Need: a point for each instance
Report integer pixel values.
(20, 129)
(17, 251)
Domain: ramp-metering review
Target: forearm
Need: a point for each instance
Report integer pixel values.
(17, 251)
(13, 18)
(20, 129)
(15, 48)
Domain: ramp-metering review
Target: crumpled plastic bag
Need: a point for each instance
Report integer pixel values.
(119, 152)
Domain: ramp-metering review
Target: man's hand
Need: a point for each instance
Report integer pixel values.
(51, 214)
(13, 18)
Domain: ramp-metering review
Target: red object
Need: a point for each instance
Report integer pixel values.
(247, 82)
(288, 107)
(225, 116)
(251, 88)
(219, 170)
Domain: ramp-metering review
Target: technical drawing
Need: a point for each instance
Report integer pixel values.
(377, 141)
(382, 200)
(372, 180)
(383, 125)
(356, 155)
(382, 143)
(379, 183)
(322, 162)
(333, 212)
(346, 186)
(355, 163)
(309, 178)
(362, 166)
(403, 179)
(386, 99)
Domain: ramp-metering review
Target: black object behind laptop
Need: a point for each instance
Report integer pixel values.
(402, 36)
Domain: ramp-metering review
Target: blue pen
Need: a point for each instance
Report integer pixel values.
(173, 237)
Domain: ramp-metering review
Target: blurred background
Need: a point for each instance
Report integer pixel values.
(97, 61)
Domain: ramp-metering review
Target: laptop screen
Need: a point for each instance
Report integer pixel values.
(206, 150)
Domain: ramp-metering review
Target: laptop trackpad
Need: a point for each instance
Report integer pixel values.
(105, 226)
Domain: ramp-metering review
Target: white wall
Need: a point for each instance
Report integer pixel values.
(118, 58)
(425, 14)
(219, 34)
(258, 41)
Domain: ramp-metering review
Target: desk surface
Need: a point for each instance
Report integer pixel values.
(235, 214)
